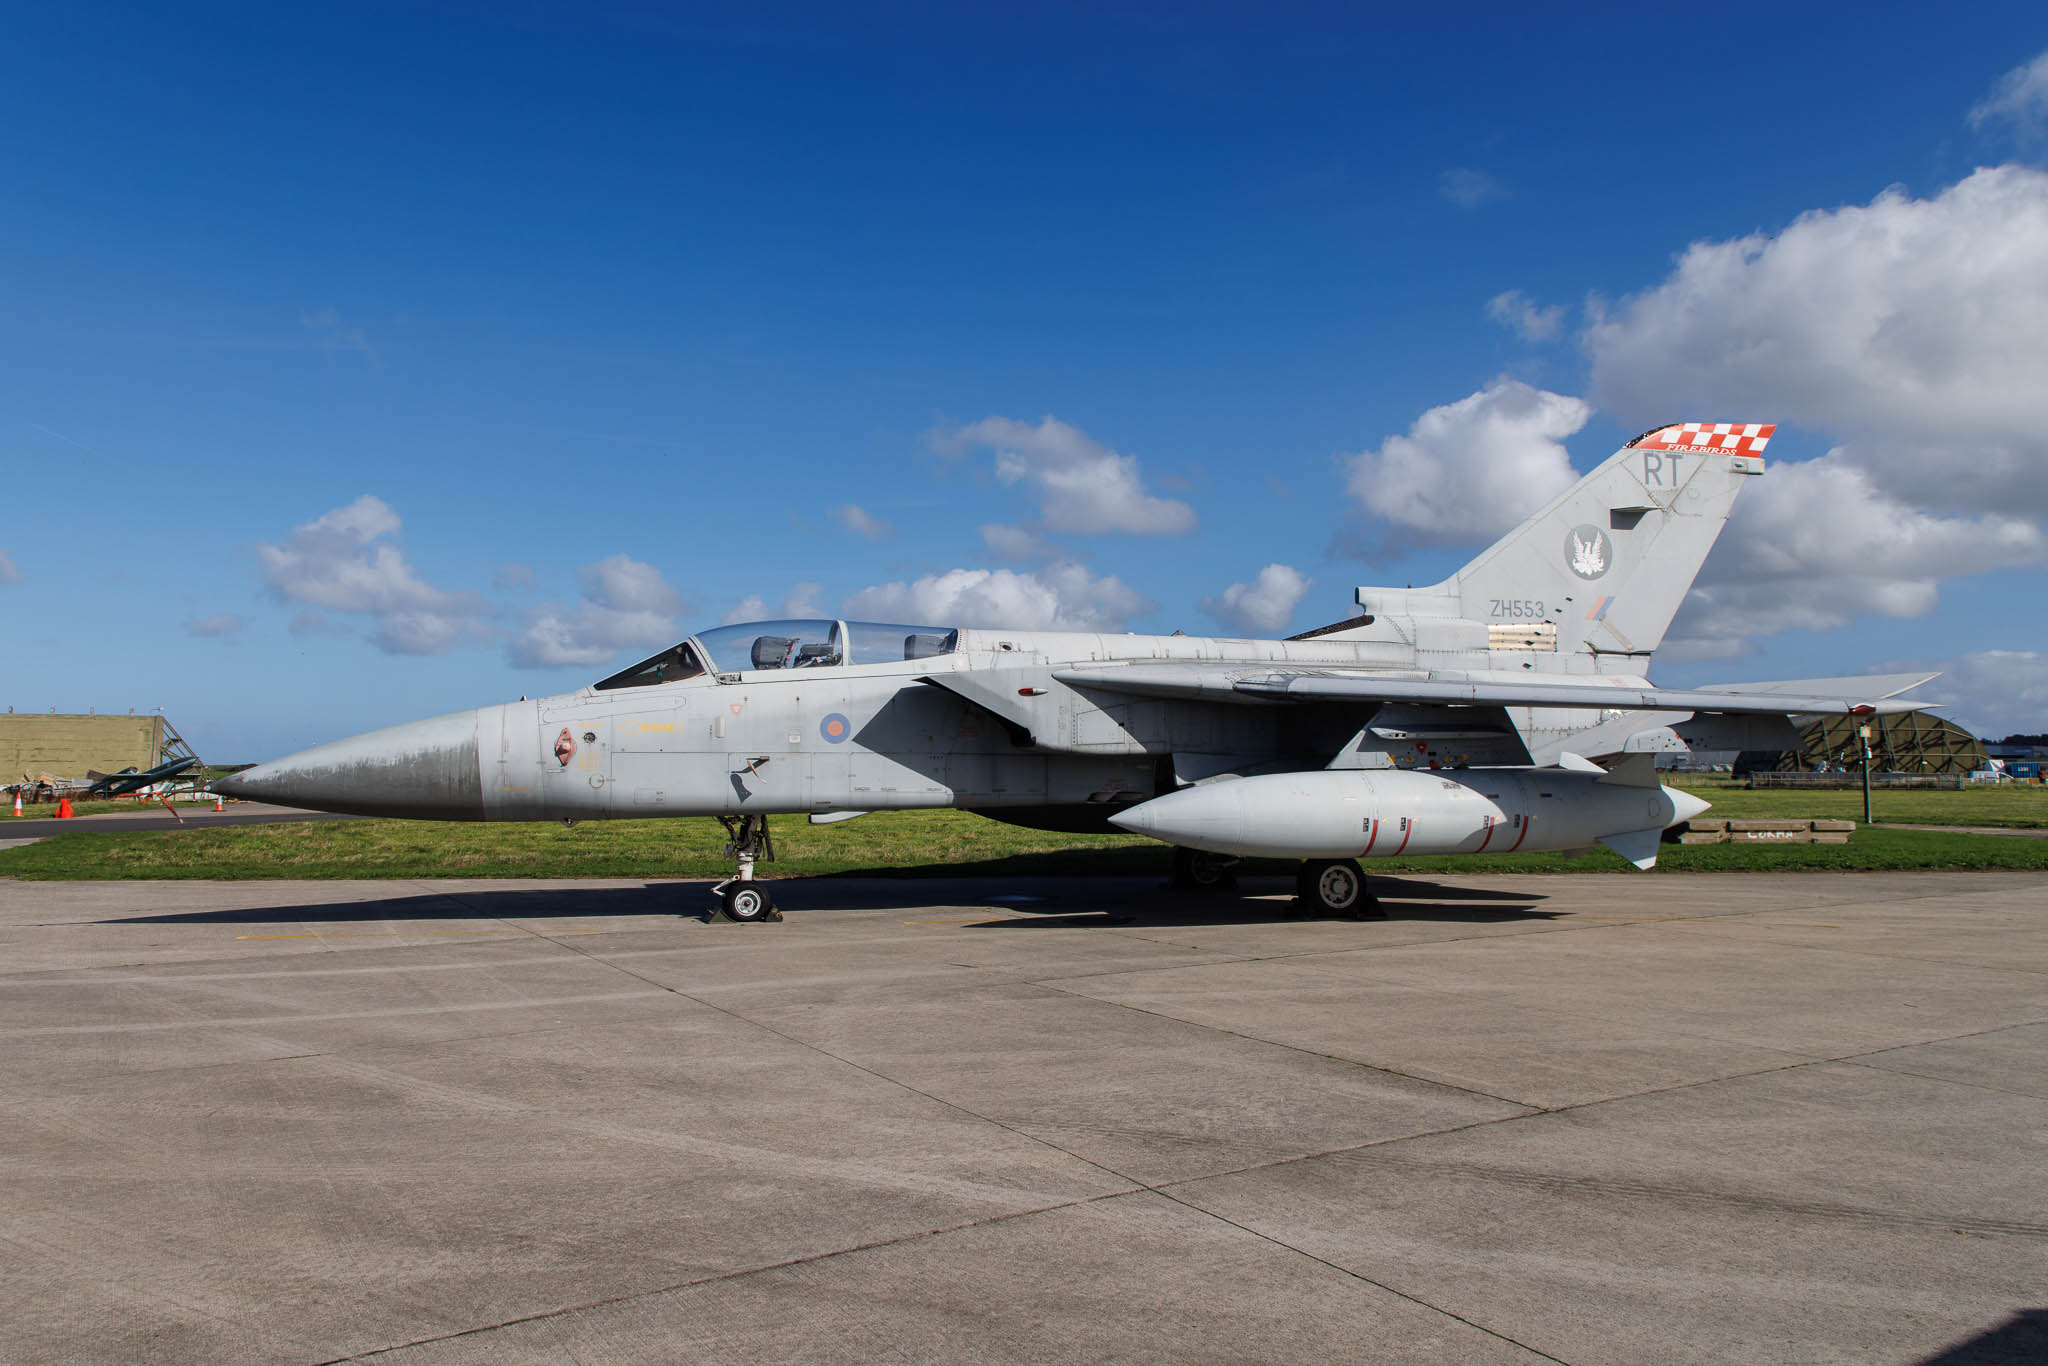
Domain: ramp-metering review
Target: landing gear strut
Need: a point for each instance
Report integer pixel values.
(1196, 870)
(740, 897)
(1336, 887)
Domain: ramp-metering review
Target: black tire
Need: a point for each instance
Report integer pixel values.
(748, 903)
(1197, 870)
(1335, 887)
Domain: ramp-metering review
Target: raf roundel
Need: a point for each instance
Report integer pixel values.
(835, 728)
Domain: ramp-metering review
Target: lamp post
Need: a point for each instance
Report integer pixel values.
(1863, 734)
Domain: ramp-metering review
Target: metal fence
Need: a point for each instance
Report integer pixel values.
(1953, 782)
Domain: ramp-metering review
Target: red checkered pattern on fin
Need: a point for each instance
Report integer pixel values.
(1734, 438)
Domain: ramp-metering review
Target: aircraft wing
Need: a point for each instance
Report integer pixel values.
(1235, 682)
(1883, 686)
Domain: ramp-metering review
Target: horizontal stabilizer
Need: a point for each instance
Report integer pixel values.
(1637, 846)
(1865, 685)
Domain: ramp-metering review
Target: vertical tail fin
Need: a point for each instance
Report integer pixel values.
(1591, 582)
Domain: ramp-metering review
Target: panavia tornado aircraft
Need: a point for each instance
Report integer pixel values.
(134, 780)
(128, 781)
(1506, 708)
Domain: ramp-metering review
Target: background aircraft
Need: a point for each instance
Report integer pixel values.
(1457, 718)
(96, 784)
(132, 779)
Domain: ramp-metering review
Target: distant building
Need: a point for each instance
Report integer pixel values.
(2006, 749)
(68, 746)
(1914, 742)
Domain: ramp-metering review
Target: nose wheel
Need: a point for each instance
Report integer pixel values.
(740, 897)
(1195, 870)
(748, 903)
(1336, 887)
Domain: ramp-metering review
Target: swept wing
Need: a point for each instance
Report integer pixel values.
(1226, 682)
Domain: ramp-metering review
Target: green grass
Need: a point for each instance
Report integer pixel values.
(898, 844)
(2017, 805)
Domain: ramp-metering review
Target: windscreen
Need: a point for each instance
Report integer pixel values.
(676, 662)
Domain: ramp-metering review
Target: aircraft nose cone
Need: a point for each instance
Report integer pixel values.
(1684, 806)
(424, 770)
(1135, 819)
(1209, 817)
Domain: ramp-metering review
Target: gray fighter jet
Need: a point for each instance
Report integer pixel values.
(1464, 717)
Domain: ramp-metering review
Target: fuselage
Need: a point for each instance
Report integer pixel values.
(976, 720)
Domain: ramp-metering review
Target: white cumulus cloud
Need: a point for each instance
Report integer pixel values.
(1061, 597)
(1262, 607)
(1911, 330)
(344, 561)
(1816, 544)
(621, 583)
(861, 522)
(2020, 98)
(1518, 313)
(1991, 693)
(801, 601)
(1083, 487)
(625, 603)
(1469, 470)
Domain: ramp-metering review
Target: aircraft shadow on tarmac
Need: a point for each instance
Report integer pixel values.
(526, 903)
(1047, 902)
(1260, 901)
(2023, 1338)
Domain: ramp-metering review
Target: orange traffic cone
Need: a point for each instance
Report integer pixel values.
(17, 801)
(217, 803)
(64, 811)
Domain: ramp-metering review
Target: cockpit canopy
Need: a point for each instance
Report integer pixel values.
(794, 644)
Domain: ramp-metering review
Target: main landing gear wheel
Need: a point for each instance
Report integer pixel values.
(748, 903)
(1197, 870)
(1336, 887)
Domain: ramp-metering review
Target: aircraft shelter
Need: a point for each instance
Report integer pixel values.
(1914, 742)
(69, 746)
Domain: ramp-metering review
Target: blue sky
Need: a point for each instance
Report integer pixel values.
(465, 352)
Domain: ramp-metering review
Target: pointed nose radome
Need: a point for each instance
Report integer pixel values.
(1684, 806)
(424, 770)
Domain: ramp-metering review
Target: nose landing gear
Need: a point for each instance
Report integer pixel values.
(740, 897)
(1195, 870)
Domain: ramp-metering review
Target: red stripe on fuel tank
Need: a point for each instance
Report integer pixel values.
(1527, 821)
(1485, 839)
(1372, 839)
(1405, 834)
